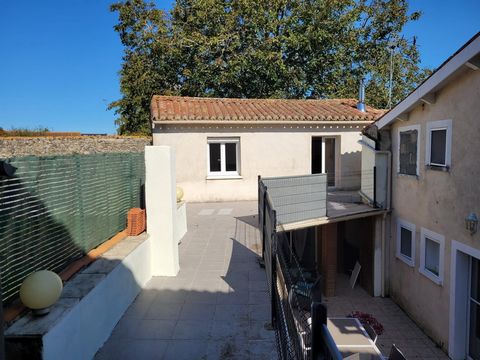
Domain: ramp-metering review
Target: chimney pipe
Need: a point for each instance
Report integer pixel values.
(361, 97)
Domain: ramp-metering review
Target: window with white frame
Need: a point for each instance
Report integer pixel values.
(439, 143)
(406, 242)
(432, 249)
(223, 157)
(408, 154)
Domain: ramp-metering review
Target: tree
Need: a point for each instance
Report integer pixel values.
(262, 49)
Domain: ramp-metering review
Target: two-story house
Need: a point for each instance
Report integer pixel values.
(432, 137)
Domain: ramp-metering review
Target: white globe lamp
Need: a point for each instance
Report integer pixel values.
(179, 194)
(40, 290)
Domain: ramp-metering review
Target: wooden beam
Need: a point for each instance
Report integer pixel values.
(429, 98)
(402, 117)
(473, 64)
(327, 220)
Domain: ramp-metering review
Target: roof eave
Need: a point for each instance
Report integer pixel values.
(260, 122)
(425, 92)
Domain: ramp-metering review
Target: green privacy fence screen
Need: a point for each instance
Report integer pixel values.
(57, 208)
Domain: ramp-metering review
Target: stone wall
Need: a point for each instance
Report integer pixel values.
(46, 146)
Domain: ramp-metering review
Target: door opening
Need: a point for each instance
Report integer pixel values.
(474, 310)
(316, 155)
(323, 157)
(330, 160)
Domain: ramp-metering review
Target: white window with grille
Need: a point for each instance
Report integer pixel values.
(439, 143)
(408, 150)
(223, 157)
(432, 250)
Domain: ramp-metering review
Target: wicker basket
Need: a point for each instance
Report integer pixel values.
(135, 221)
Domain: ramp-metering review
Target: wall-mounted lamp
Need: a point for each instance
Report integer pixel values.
(471, 223)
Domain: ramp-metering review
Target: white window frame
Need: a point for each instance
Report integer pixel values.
(439, 125)
(223, 173)
(440, 239)
(404, 129)
(409, 226)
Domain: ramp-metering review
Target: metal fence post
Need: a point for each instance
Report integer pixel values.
(319, 318)
(2, 326)
(259, 196)
(264, 221)
(273, 260)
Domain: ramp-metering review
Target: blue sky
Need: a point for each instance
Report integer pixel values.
(60, 59)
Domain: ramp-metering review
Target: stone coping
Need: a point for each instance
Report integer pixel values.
(75, 290)
(56, 146)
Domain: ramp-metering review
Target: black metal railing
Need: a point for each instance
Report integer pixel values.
(298, 316)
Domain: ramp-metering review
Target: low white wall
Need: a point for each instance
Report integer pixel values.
(181, 225)
(83, 331)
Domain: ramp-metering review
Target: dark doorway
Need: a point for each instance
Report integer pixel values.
(356, 243)
(328, 146)
(316, 155)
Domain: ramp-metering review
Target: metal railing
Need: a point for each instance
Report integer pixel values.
(297, 198)
(55, 209)
(298, 316)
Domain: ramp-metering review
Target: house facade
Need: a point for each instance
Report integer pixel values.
(434, 257)
(223, 145)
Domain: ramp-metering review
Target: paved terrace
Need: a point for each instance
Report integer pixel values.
(399, 329)
(217, 306)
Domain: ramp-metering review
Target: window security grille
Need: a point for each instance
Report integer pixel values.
(408, 152)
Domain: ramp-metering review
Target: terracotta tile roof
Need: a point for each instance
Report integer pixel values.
(178, 108)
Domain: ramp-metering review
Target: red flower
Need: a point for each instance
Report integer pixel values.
(366, 318)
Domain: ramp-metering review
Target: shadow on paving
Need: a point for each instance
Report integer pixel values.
(217, 307)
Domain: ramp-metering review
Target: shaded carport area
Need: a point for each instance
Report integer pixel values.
(307, 232)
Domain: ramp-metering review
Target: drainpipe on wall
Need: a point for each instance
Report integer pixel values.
(384, 257)
(385, 243)
(385, 261)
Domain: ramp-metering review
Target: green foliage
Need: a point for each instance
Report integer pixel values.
(262, 49)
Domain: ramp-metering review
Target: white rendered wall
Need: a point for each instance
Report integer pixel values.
(264, 150)
(161, 207)
(181, 224)
(86, 327)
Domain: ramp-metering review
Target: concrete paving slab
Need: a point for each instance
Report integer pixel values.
(186, 350)
(216, 304)
(399, 329)
(205, 212)
(225, 211)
